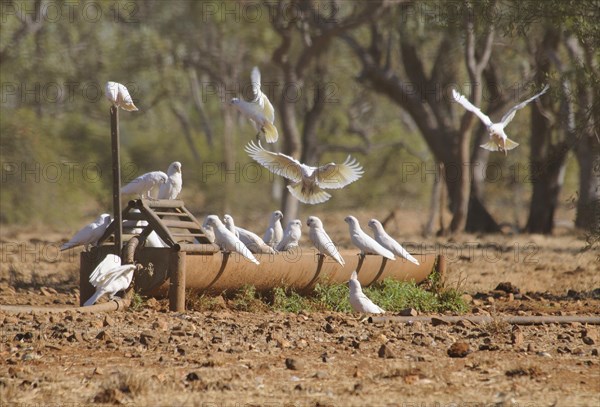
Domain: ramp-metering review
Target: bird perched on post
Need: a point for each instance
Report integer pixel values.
(499, 141)
(321, 239)
(358, 300)
(145, 183)
(308, 182)
(89, 234)
(274, 232)
(110, 277)
(226, 240)
(172, 188)
(364, 242)
(386, 241)
(259, 110)
(291, 236)
(119, 96)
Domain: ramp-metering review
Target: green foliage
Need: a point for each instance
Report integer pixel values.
(247, 299)
(289, 300)
(137, 302)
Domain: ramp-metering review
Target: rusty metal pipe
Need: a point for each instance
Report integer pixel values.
(486, 319)
(119, 304)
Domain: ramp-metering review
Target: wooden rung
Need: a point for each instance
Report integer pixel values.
(179, 214)
(188, 235)
(180, 224)
(163, 203)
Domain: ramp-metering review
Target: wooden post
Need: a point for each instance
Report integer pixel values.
(86, 290)
(116, 169)
(177, 281)
(440, 266)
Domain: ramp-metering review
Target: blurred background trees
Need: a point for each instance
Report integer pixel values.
(371, 79)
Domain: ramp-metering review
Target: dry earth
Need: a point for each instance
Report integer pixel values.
(153, 357)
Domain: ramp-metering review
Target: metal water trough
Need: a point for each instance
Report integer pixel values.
(191, 262)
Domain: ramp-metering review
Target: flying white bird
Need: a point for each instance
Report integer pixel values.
(252, 241)
(358, 300)
(89, 234)
(172, 188)
(364, 242)
(321, 239)
(274, 232)
(226, 240)
(259, 110)
(499, 141)
(291, 236)
(308, 182)
(110, 277)
(119, 96)
(388, 242)
(145, 183)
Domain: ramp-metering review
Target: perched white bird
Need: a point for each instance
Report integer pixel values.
(208, 231)
(388, 242)
(145, 183)
(499, 141)
(89, 234)
(291, 236)
(172, 188)
(364, 242)
(226, 240)
(259, 110)
(274, 232)
(252, 241)
(321, 239)
(110, 277)
(119, 96)
(308, 182)
(358, 300)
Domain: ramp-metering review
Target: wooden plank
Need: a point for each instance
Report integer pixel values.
(178, 214)
(156, 223)
(188, 234)
(180, 224)
(162, 203)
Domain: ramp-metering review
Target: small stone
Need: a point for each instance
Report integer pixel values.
(438, 321)
(319, 374)
(588, 341)
(507, 287)
(153, 303)
(516, 338)
(467, 298)
(108, 321)
(192, 377)
(293, 364)
(459, 350)
(577, 351)
(329, 328)
(183, 350)
(595, 352)
(409, 312)
(103, 336)
(98, 371)
(490, 300)
(148, 338)
(385, 352)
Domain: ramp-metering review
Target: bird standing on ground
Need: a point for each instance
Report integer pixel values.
(226, 240)
(172, 188)
(364, 242)
(259, 110)
(119, 96)
(110, 277)
(499, 141)
(321, 239)
(386, 241)
(145, 183)
(291, 236)
(274, 232)
(89, 234)
(358, 300)
(308, 182)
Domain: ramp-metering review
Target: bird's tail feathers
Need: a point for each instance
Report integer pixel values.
(509, 144)
(315, 196)
(130, 107)
(93, 298)
(271, 134)
(490, 145)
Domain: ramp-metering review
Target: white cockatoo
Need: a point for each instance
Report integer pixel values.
(208, 231)
(252, 241)
(321, 239)
(358, 300)
(499, 141)
(145, 183)
(388, 242)
(119, 96)
(226, 240)
(274, 232)
(308, 182)
(172, 188)
(291, 236)
(364, 242)
(259, 110)
(89, 234)
(110, 277)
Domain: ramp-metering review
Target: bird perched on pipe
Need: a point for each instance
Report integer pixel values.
(89, 234)
(226, 240)
(364, 242)
(499, 141)
(386, 241)
(274, 232)
(172, 188)
(321, 239)
(259, 110)
(252, 241)
(358, 300)
(110, 277)
(145, 183)
(119, 96)
(291, 236)
(307, 182)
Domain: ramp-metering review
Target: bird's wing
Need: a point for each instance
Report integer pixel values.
(268, 109)
(398, 249)
(471, 107)
(83, 236)
(119, 278)
(255, 79)
(337, 176)
(511, 113)
(165, 190)
(139, 185)
(103, 270)
(277, 163)
(370, 245)
(325, 245)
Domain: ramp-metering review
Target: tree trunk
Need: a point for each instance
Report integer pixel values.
(587, 153)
